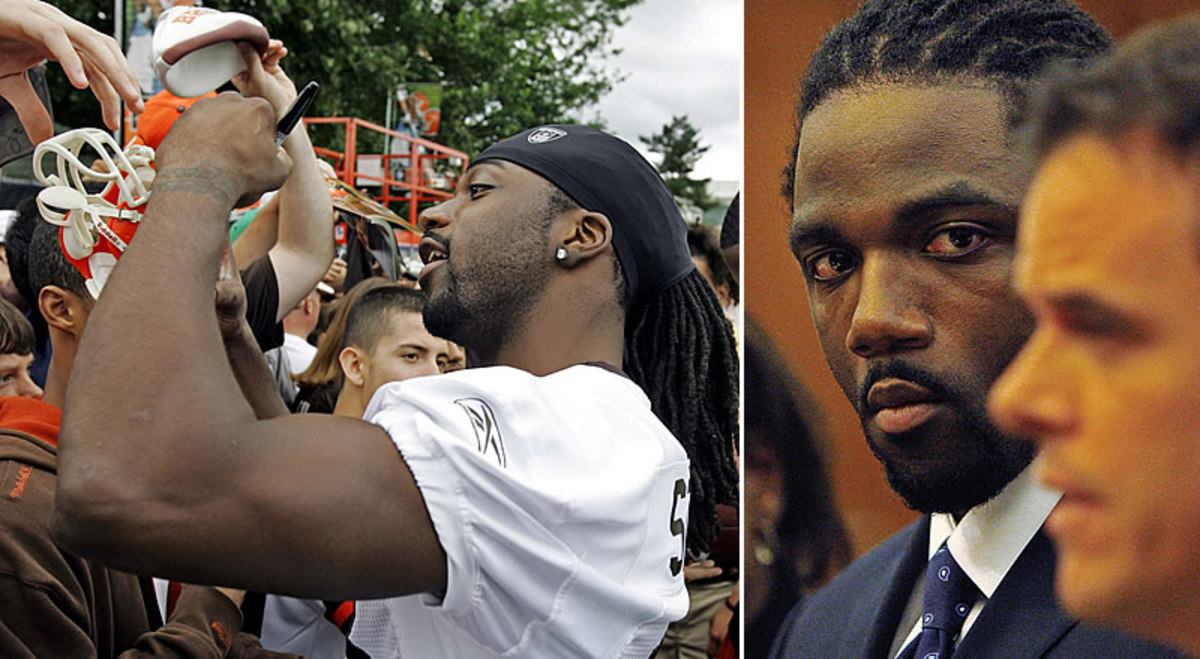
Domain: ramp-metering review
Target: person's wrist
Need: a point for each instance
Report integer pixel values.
(204, 179)
(732, 606)
(298, 145)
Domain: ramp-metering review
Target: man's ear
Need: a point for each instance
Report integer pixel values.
(351, 361)
(62, 309)
(588, 235)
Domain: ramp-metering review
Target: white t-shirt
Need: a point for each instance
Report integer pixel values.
(300, 353)
(560, 502)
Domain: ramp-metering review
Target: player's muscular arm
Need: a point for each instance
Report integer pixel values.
(164, 468)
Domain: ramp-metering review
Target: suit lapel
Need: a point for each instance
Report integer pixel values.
(1022, 618)
(885, 597)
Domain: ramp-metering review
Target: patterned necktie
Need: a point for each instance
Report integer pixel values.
(949, 596)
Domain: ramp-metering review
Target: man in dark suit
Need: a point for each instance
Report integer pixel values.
(905, 189)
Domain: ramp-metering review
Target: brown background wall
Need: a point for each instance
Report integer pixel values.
(780, 37)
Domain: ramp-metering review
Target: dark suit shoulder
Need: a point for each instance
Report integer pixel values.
(1085, 642)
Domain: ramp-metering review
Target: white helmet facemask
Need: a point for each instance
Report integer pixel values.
(87, 218)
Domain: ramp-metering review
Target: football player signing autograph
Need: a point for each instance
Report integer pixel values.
(536, 506)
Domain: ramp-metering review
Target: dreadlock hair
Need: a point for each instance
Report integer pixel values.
(16, 334)
(1007, 43)
(680, 349)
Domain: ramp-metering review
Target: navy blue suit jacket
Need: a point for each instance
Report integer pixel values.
(858, 613)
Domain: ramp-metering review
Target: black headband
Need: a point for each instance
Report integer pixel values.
(604, 174)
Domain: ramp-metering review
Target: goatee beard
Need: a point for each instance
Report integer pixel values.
(990, 462)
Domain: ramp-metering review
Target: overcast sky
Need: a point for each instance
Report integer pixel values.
(682, 58)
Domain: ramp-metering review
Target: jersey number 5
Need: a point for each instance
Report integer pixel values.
(679, 525)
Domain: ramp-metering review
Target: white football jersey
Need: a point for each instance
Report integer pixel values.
(561, 503)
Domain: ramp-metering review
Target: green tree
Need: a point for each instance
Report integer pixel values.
(679, 148)
(506, 65)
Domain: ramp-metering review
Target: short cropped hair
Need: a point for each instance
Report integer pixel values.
(48, 266)
(1152, 81)
(370, 318)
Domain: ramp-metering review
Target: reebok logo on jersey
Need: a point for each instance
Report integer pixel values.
(487, 432)
(545, 134)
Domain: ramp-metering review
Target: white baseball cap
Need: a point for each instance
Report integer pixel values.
(195, 50)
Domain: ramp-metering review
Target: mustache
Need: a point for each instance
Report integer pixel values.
(439, 239)
(942, 387)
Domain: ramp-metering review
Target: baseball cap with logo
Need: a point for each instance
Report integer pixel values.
(195, 49)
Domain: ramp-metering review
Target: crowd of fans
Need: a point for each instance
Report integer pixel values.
(295, 341)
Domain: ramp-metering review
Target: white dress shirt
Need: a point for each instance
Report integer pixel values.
(985, 543)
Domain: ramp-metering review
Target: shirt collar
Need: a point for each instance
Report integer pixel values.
(990, 537)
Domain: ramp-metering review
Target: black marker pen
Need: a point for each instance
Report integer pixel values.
(296, 111)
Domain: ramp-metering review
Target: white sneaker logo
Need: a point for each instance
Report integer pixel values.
(545, 134)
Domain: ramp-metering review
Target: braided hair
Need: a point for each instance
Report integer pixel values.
(680, 349)
(1004, 42)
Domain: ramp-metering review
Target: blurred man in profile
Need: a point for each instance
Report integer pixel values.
(1109, 383)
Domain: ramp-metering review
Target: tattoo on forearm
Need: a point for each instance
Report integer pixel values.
(205, 179)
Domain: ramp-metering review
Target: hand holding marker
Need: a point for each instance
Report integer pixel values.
(296, 111)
